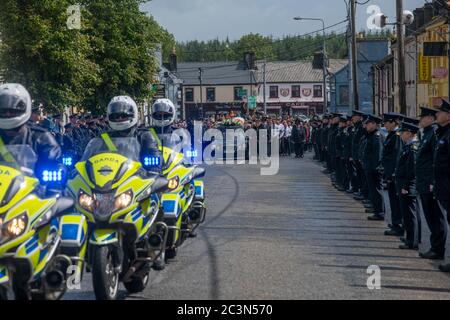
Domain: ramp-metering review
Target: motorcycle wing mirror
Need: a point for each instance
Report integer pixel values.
(160, 185)
(198, 173)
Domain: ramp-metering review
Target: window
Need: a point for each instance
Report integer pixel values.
(237, 93)
(296, 92)
(344, 95)
(318, 91)
(434, 49)
(273, 92)
(189, 94)
(210, 94)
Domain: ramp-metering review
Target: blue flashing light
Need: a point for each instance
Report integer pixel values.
(152, 161)
(67, 161)
(192, 154)
(52, 175)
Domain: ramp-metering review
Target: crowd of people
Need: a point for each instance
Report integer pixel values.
(74, 136)
(407, 159)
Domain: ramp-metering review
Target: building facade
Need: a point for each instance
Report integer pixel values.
(433, 63)
(293, 87)
(426, 64)
(370, 52)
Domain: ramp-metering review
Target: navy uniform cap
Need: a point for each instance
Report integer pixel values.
(373, 118)
(392, 116)
(336, 115)
(425, 112)
(411, 121)
(445, 106)
(409, 127)
(357, 113)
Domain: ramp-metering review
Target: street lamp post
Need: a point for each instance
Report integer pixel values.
(325, 98)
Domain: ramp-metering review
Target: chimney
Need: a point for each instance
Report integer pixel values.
(173, 61)
(419, 16)
(428, 12)
(318, 60)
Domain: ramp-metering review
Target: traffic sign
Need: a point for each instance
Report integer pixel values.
(252, 102)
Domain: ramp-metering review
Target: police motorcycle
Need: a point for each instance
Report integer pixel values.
(117, 230)
(31, 263)
(184, 202)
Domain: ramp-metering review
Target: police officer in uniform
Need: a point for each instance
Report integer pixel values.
(371, 162)
(349, 156)
(392, 147)
(424, 185)
(346, 150)
(358, 136)
(339, 169)
(405, 181)
(441, 167)
(332, 133)
(15, 129)
(324, 140)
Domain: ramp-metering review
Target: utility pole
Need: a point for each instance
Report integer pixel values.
(401, 58)
(354, 56)
(264, 87)
(200, 78)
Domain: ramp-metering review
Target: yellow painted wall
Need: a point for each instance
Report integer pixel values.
(429, 92)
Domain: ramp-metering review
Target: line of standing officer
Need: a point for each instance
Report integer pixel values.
(391, 150)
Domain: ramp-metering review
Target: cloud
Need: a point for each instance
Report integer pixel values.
(209, 19)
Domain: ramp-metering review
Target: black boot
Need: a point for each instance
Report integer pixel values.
(376, 217)
(431, 255)
(444, 268)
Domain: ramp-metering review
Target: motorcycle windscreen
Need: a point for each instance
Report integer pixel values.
(106, 164)
(15, 161)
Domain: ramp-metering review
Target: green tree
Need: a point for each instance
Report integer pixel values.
(124, 41)
(39, 51)
(260, 45)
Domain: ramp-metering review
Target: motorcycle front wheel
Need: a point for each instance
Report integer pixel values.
(105, 278)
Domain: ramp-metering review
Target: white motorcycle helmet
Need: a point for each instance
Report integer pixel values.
(15, 106)
(163, 113)
(122, 113)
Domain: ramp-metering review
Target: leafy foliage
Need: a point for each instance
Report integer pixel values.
(288, 48)
(113, 52)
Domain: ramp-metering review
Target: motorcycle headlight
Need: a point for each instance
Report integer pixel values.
(14, 228)
(173, 183)
(87, 202)
(123, 201)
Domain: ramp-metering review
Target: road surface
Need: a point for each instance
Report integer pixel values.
(289, 236)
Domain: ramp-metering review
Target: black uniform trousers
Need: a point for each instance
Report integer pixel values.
(375, 188)
(394, 202)
(352, 175)
(436, 222)
(361, 184)
(445, 206)
(411, 219)
(338, 170)
(299, 149)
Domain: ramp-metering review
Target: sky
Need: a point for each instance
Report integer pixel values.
(211, 19)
